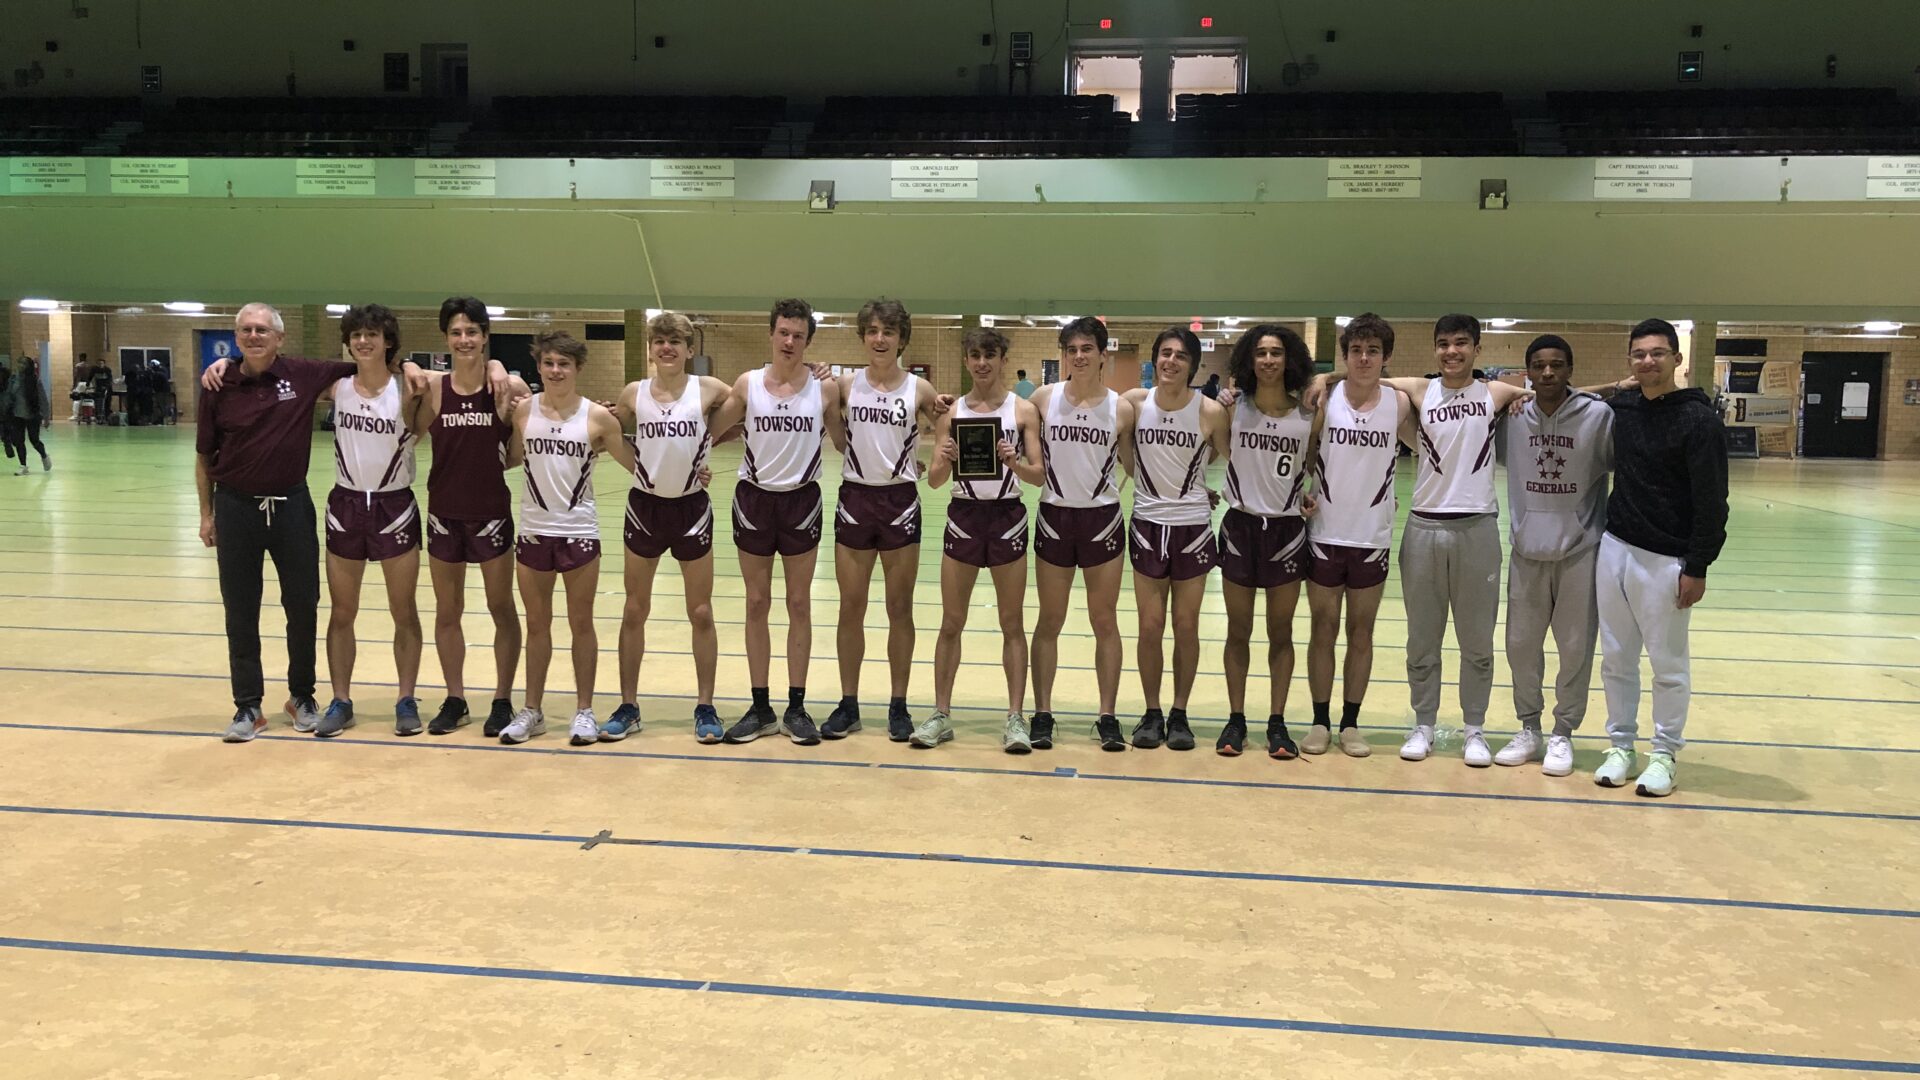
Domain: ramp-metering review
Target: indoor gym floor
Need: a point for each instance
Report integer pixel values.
(372, 906)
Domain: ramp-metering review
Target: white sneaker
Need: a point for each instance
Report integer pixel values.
(525, 725)
(1658, 778)
(1476, 752)
(1418, 745)
(1614, 767)
(1559, 759)
(586, 730)
(1522, 748)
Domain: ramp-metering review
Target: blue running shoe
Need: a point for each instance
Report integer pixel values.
(706, 725)
(625, 721)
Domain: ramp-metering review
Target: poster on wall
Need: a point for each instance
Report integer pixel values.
(1760, 395)
(215, 345)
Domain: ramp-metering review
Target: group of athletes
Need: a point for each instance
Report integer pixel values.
(1308, 483)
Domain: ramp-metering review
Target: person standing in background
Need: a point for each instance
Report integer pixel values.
(27, 406)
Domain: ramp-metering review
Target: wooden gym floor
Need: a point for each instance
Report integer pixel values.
(372, 906)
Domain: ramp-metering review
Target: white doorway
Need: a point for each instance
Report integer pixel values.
(1109, 73)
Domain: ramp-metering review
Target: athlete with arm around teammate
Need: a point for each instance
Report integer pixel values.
(1351, 535)
(787, 415)
(878, 517)
(1085, 440)
(1263, 536)
(557, 434)
(986, 529)
(1170, 539)
(668, 511)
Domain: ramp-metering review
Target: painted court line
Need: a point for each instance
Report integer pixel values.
(725, 758)
(978, 1005)
(981, 860)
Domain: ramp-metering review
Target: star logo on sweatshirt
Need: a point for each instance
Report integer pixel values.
(1550, 464)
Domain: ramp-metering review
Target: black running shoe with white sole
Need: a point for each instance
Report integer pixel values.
(1107, 731)
(759, 720)
(841, 722)
(799, 726)
(1042, 731)
(452, 717)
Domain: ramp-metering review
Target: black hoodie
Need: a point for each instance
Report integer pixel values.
(1670, 476)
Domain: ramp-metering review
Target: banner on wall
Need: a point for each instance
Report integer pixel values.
(216, 345)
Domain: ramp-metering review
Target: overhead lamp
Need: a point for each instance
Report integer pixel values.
(1502, 323)
(986, 322)
(654, 313)
(1878, 326)
(819, 317)
(185, 307)
(1342, 320)
(1230, 321)
(39, 305)
(1064, 320)
(1685, 326)
(336, 309)
(495, 312)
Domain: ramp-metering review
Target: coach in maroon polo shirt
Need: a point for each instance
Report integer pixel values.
(255, 438)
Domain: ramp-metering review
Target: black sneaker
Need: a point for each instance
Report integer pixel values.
(1179, 735)
(799, 726)
(1107, 730)
(899, 723)
(451, 717)
(1042, 731)
(498, 717)
(841, 723)
(759, 720)
(1280, 745)
(1233, 738)
(1150, 732)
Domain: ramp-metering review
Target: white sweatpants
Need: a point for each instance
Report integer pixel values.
(1637, 592)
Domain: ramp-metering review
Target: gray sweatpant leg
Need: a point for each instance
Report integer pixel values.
(1450, 566)
(1558, 596)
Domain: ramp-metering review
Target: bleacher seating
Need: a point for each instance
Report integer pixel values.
(1341, 125)
(1035, 127)
(288, 127)
(624, 126)
(40, 126)
(1704, 121)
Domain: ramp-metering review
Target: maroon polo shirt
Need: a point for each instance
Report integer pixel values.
(259, 430)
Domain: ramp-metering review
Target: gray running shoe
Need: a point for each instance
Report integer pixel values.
(339, 718)
(247, 722)
(932, 731)
(406, 717)
(1017, 739)
(305, 713)
(525, 725)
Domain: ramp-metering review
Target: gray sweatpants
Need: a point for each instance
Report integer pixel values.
(1451, 564)
(1559, 596)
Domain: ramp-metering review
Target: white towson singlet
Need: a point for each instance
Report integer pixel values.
(559, 475)
(372, 448)
(1456, 451)
(1355, 472)
(1266, 470)
(670, 442)
(783, 435)
(1080, 447)
(1170, 464)
(883, 431)
(1008, 486)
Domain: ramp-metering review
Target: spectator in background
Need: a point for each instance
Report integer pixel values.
(81, 371)
(102, 382)
(1212, 388)
(1024, 388)
(27, 404)
(6, 412)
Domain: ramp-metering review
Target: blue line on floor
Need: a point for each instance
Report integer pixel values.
(977, 1005)
(724, 757)
(986, 860)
